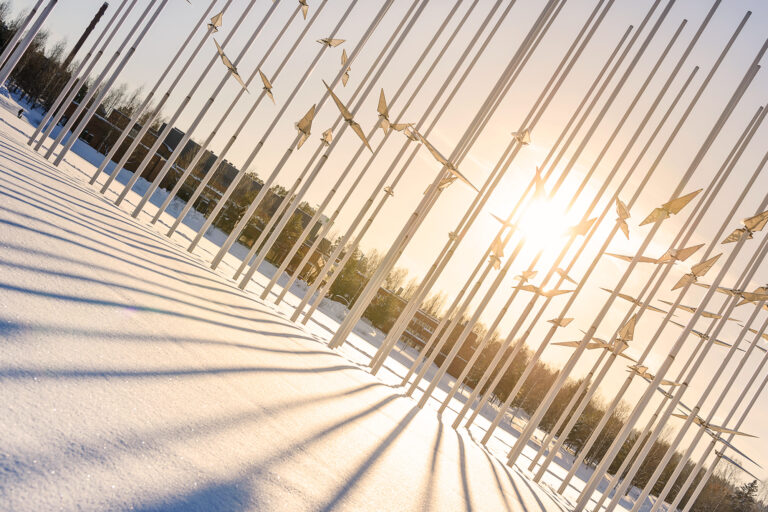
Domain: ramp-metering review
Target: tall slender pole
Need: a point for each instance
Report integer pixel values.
(169, 125)
(145, 104)
(602, 467)
(438, 267)
(235, 234)
(241, 172)
(290, 204)
(568, 167)
(700, 430)
(225, 115)
(96, 86)
(343, 243)
(497, 282)
(708, 473)
(139, 136)
(84, 36)
(680, 390)
(433, 193)
(538, 415)
(18, 53)
(176, 153)
(54, 115)
(320, 210)
(73, 77)
(682, 238)
(11, 44)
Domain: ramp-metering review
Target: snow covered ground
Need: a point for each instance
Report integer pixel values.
(133, 377)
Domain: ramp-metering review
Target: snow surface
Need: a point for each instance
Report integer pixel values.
(133, 377)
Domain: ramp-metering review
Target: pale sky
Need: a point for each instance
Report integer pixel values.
(151, 57)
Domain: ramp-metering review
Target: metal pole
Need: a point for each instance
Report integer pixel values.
(140, 110)
(169, 125)
(235, 234)
(11, 45)
(15, 57)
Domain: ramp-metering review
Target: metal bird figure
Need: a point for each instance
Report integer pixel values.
(705, 314)
(582, 228)
(523, 137)
(539, 291)
(497, 252)
(504, 223)
(389, 191)
(444, 161)
(231, 67)
(697, 271)
(671, 208)
(643, 372)
(698, 420)
(635, 301)
(330, 43)
(751, 226)
(345, 76)
(561, 322)
(383, 111)
(305, 126)
(755, 296)
(526, 275)
(673, 255)
(267, 86)
(721, 455)
(215, 22)
(640, 259)
(706, 337)
(327, 137)
(623, 214)
(347, 115)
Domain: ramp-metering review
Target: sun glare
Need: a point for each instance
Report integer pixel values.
(543, 225)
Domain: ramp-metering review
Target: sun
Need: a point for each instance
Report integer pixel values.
(543, 225)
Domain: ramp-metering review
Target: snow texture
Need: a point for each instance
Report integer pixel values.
(133, 377)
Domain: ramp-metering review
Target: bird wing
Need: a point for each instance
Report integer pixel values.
(702, 268)
(216, 21)
(344, 112)
(684, 254)
(640, 259)
(304, 9)
(265, 81)
(582, 227)
(756, 223)
(239, 78)
(723, 430)
(684, 280)
(344, 60)
(305, 124)
(655, 216)
(497, 247)
(675, 205)
(359, 131)
(734, 237)
(754, 297)
(554, 293)
(621, 209)
(345, 78)
(335, 42)
(382, 107)
(302, 140)
(435, 153)
(565, 276)
(624, 227)
(733, 462)
(732, 447)
(528, 288)
(627, 332)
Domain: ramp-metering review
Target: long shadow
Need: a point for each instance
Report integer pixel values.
(463, 472)
(432, 476)
(231, 496)
(369, 461)
(92, 266)
(135, 307)
(499, 485)
(9, 329)
(142, 291)
(37, 374)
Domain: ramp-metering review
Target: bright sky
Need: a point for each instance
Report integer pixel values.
(173, 25)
